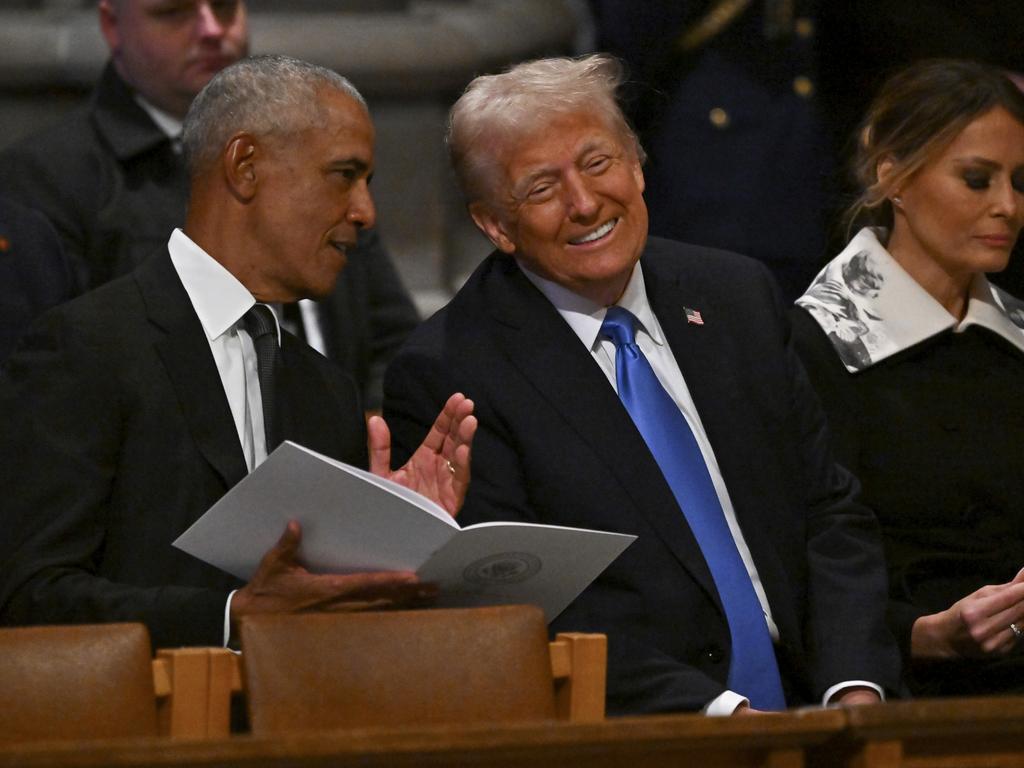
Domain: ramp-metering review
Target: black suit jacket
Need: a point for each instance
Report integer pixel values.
(109, 181)
(556, 446)
(117, 436)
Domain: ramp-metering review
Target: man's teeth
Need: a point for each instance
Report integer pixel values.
(598, 233)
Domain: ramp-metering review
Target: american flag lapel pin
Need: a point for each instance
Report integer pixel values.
(693, 316)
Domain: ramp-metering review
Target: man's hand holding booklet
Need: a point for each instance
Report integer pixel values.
(354, 521)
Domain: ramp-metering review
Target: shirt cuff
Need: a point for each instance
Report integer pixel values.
(227, 620)
(838, 688)
(725, 703)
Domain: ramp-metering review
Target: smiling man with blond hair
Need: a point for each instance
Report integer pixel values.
(648, 387)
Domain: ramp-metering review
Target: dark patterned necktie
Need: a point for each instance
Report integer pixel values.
(259, 322)
(753, 671)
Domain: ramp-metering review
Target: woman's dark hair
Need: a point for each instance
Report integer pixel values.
(915, 116)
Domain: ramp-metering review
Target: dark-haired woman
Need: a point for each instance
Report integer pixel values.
(919, 361)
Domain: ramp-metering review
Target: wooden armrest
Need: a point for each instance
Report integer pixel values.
(579, 664)
(193, 689)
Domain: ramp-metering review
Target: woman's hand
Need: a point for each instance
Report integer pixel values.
(975, 626)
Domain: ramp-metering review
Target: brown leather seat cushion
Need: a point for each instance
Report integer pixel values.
(318, 671)
(76, 682)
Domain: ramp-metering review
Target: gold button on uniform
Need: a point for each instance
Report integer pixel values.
(803, 86)
(719, 117)
(803, 27)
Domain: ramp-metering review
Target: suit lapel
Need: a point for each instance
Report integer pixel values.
(545, 349)
(702, 351)
(189, 364)
(706, 354)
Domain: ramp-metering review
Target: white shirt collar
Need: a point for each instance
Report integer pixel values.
(165, 121)
(585, 316)
(868, 326)
(217, 296)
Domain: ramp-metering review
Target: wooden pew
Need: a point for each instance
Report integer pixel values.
(194, 686)
(772, 741)
(940, 733)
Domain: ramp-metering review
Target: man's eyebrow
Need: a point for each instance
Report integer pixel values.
(527, 181)
(595, 144)
(356, 164)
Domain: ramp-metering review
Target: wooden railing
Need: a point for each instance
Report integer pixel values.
(963, 733)
(779, 741)
(195, 687)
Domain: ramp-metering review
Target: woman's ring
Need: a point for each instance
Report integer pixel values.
(451, 468)
(1017, 631)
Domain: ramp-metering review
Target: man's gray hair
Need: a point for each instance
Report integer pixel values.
(495, 110)
(262, 95)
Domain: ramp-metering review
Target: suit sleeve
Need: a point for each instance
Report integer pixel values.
(843, 407)
(641, 678)
(63, 440)
(847, 582)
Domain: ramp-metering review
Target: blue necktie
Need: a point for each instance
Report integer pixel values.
(753, 671)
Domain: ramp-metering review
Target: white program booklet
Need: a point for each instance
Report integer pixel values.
(353, 521)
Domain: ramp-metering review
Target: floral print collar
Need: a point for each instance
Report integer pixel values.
(870, 308)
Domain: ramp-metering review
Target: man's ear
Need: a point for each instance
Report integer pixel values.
(638, 174)
(239, 163)
(491, 225)
(108, 26)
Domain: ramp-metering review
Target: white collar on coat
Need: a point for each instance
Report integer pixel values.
(870, 308)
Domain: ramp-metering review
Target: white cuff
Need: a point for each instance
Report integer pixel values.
(724, 704)
(838, 688)
(227, 619)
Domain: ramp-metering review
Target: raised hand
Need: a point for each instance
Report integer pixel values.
(439, 469)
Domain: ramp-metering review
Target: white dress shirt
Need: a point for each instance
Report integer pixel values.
(585, 317)
(220, 302)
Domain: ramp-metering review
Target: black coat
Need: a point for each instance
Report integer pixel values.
(935, 435)
(117, 437)
(556, 446)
